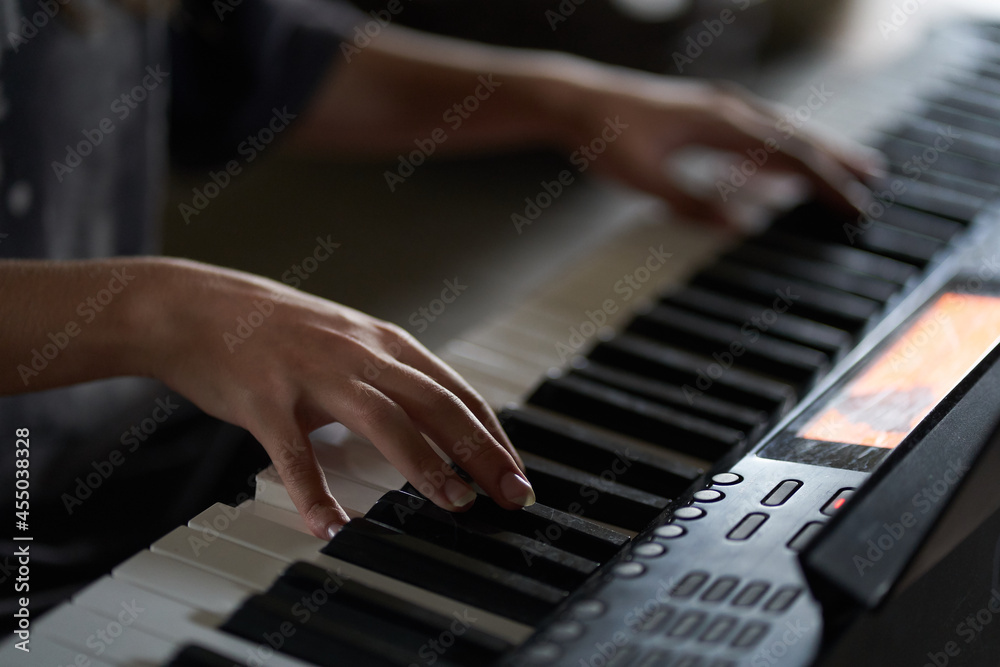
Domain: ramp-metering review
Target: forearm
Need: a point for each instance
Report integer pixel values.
(407, 84)
(72, 321)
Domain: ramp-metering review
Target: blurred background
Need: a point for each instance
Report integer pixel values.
(451, 219)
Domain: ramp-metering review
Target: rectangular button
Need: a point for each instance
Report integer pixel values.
(782, 598)
(747, 526)
(782, 492)
(837, 501)
(751, 594)
(805, 535)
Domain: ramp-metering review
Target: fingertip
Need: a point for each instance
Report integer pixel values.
(325, 521)
(515, 489)
(459, 494)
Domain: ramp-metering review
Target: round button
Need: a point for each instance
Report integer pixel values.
(708, 496)
(542, 654)
(588, 609)
(629, 570)
(670, 531)
(565, 631)
(649, 550)
(726, 479)
(689, 513)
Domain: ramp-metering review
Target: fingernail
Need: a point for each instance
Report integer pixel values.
(859, 196)
(458, 493)
(332, 530)
(516, 489)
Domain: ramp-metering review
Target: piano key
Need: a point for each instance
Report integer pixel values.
(467, 535)
(558, 438)
(748, 420)
(691, 372)
(965, 142)
(973, 102)
(407, 559)
(249, 534)
(353, 495)
(170, 620)
(623, 413)
(932, 198)
(942, 112)
(45, 652)
(854, 259)
(219, 556)
(787, 361)
(199, 656)
(920, 157)
(114, 641)
(921, 222)
(833, 342)
(823, 304)
(472, 642)
(821, 273)
(183, 582)
(578, 492)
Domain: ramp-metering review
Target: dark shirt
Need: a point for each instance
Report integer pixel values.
(94, 102)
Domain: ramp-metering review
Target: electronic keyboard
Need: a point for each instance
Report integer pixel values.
(787, 457)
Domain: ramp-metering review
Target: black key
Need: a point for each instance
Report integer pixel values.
(695, 374)
(931, 198)
(560, 439)
(748, 420)
(264, 619)
(920, 222)
(414, 561)
(916, 158)
(970, 101)
(898, 243)
(468, 645)
(551, 526)
(834, 307)
(630, 415)
(854, 259)
(750, 316)
(817, 272)
(787, 361)
(962, 120)
(583, 494)
(421, 518)
(959, 185)
(964, 142)
(196, 656)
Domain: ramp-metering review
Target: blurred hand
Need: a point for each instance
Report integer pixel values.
(309, 362)
(652, 116)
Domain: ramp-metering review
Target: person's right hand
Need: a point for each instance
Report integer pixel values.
(311, 362)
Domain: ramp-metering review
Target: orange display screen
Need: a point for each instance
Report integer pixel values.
(902, 385)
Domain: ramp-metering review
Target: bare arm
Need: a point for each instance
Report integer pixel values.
(307, 364)
(406, 85)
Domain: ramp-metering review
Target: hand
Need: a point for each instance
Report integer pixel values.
(310, 362)
(663, 115)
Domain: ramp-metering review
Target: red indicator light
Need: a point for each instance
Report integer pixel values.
(838, 503)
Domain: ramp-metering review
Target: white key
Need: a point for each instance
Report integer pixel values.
(220, 556)
(186, 583)
(250, 531)
(355, 496)
(283, 517)
(177, 623)
(114, 640)
(45, 653)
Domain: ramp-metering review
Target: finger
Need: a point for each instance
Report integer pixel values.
(456, 430)
(418, 357)
(294, 459)
(368, 411)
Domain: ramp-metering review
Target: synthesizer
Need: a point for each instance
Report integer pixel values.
(787, 458)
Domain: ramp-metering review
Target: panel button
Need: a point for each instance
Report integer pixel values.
(649, 550)
(751, 594)
(629, 570)
(804, 536)
(782, 599)
(751, 634)
(747, 526)
(687, 624)
(837, 502)
(781, 493)
(565, 631)
(655, 659)
(688, 661)
(689, 585)
(721, 589)
(689, 513)
(726, 479)
(670, 531)
(622, 658)
(588, 609)
(542, 654)
(657, 621)
(708, 496)
(718, 630)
